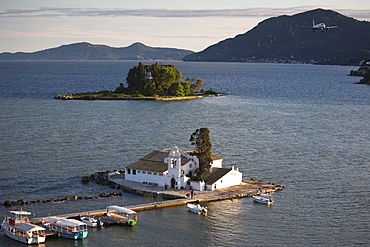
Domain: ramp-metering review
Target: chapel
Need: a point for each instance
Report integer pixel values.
(174, 168)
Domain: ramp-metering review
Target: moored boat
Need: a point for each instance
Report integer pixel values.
(91, 220)
(264, 199)
(122, 215)
(196, 208)
(19, 228)
(66, 228)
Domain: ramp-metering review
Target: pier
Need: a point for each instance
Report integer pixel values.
(247, 189)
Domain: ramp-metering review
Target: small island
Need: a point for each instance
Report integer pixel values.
(363, 70)
(150, 82)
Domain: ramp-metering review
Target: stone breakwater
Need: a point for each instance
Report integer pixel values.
(99, 178)
(8, 203)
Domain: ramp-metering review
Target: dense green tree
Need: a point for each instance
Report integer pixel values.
(165, 80)
(176, 89)
(180, 90)
(120, 89)
(187, 88)
(201, 140)
(150, 89)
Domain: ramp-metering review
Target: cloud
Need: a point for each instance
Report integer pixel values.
(169, 13)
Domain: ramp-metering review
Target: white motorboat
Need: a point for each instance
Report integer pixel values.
(196, 208)
(19, 228)
(91, 220)
(264, 198)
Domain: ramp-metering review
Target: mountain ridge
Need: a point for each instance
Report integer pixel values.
(280, 39)
(88, 51)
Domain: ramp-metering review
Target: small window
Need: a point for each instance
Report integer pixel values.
(133, 172)
(138, 171)
(128, 171)
(155, 174)
(173, 163)
(149, 172)
(144, 172)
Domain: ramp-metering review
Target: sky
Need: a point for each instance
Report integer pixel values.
(33, 25)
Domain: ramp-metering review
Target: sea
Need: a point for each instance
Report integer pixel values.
(299, 125)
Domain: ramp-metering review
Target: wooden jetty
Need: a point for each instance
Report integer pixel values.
(247, 189)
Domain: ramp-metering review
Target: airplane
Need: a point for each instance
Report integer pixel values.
(320, 26)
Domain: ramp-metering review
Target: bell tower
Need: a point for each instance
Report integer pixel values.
(174, 163)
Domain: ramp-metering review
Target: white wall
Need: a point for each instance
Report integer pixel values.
(217, 163)
(149, 178)
(197, 185)
(232, 178)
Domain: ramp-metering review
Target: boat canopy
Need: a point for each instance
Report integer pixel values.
(121, 209)
(265, 195)
(28, 227)
(64, 222)
(20, 212)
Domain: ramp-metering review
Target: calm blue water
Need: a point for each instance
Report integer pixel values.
(302, 126)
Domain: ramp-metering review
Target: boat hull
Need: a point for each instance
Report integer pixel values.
(196, 209)
(89, 223)
(78, 235)
(263, 200)
(69, 235)
(31, 240)
(128, 223)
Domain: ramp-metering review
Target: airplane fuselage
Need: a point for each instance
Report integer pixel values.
(320, 26)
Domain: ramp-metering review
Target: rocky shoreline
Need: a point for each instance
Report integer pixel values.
(363, 70)
(101, 178)
(109, 95)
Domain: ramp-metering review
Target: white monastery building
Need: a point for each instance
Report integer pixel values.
(175, 167)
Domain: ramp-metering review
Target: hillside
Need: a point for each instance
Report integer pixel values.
(281, 39)
(87, 51)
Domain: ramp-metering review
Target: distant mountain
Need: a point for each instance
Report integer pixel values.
(87, 51)
(281, 39)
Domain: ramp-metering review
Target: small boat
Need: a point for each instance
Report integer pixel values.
(19, 228)
(122, 215)
(66, 228)
(196, 208)
(264, 198)
(91, 220)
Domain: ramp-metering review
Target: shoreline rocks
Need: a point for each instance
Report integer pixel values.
(363, 70)
(9, 203)
(98, 177)
(107, 95)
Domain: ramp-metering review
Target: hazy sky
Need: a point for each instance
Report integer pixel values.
(32, 25)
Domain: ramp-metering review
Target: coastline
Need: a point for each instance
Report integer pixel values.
(110, 95)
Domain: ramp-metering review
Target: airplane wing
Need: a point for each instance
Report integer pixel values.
(331, 27)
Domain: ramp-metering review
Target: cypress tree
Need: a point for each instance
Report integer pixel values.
(203, 146)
